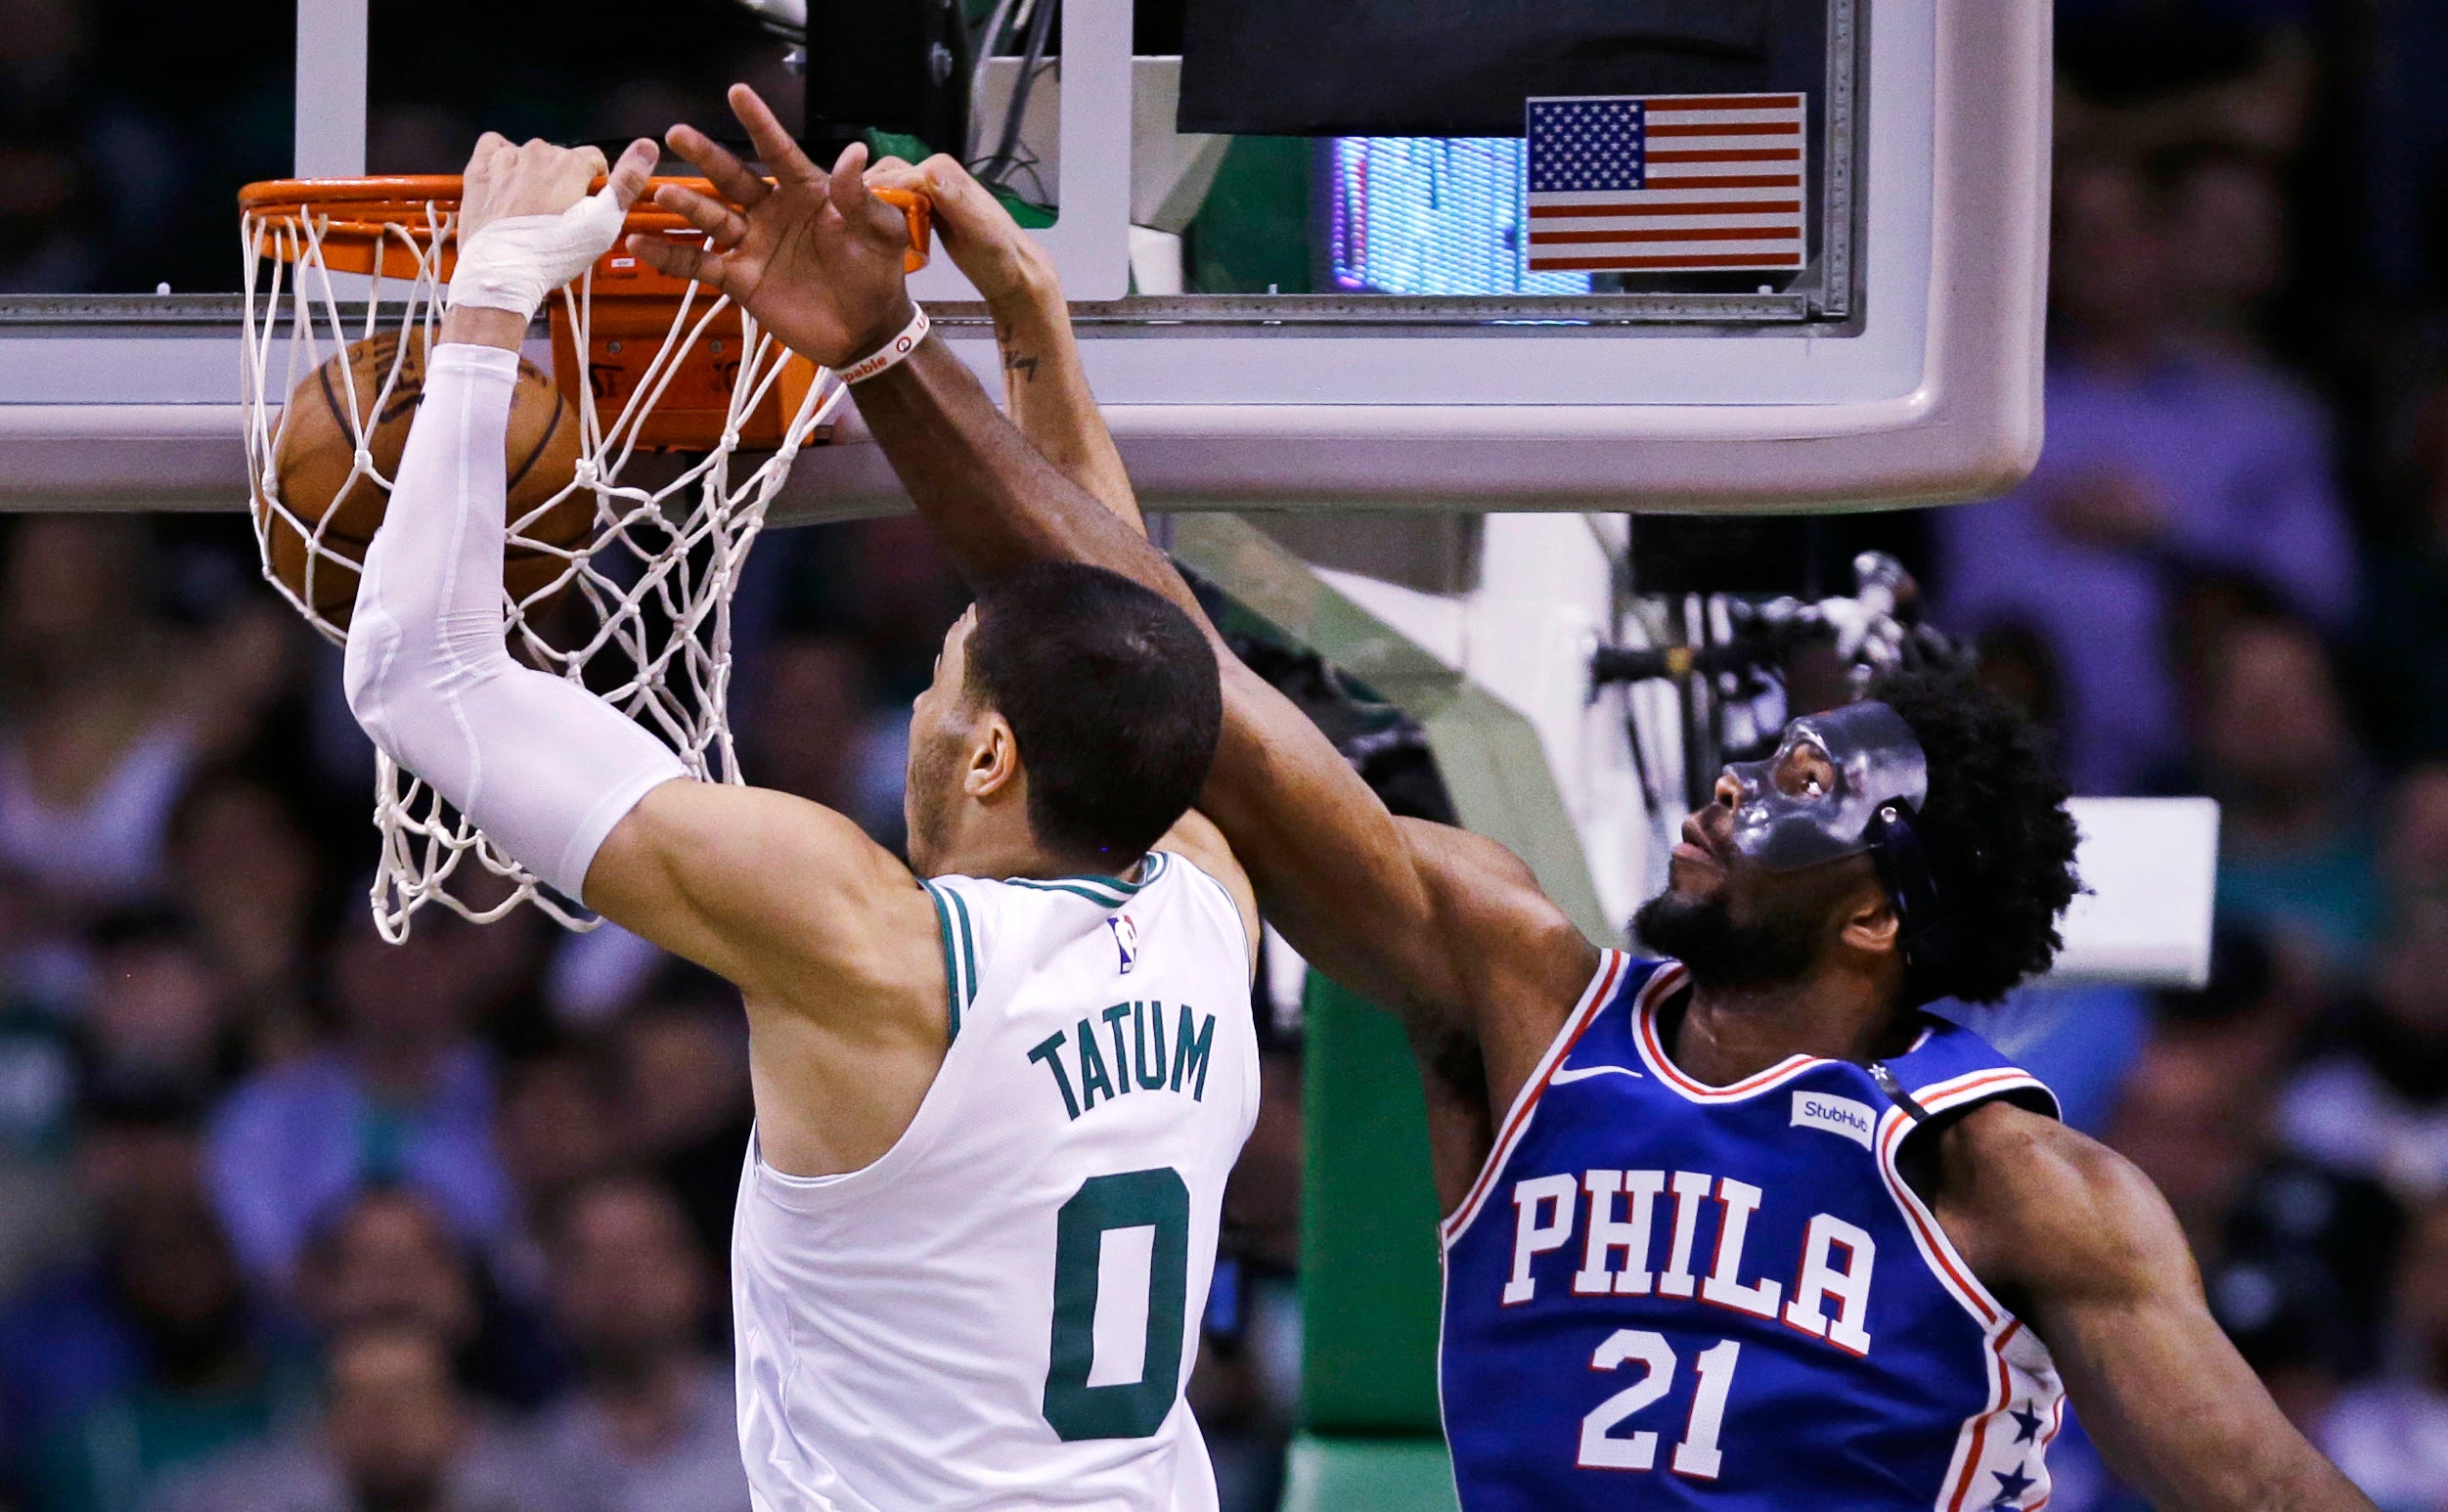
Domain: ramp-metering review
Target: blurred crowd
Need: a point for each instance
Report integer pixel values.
(2229, 576)
(290, 1217)
(293, 1218)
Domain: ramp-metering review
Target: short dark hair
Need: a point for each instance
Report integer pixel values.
(1994, 828)
(1113, 696)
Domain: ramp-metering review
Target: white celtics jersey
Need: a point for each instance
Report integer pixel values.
(1002, 1309)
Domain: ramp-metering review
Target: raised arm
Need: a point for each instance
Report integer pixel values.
(1442, 934)
(2080, 1243)
(1046, 395)
(1046, 390)
(786, 899)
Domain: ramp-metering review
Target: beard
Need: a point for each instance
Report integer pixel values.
(1719, 951)
(926, 782)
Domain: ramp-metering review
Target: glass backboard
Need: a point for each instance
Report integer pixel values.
(1272, 321)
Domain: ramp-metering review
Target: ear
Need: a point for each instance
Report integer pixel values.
(1868, 922)
(994, 765)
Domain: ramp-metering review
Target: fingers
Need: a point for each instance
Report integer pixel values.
(628, 178)
(573, 169)
(893, 173)
(968, 217)
(848, 187)
(962, 202)
(945, 175)
(680, 259)
(727, 226)
(849, 193)
(480, 162)
(773, 144)
(723, 170)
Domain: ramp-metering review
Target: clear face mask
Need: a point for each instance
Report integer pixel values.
(1878, 779)
(1875, 763)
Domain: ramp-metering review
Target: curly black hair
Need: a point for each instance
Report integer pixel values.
(1999, 840)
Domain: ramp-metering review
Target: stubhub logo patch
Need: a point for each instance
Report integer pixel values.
(1835, 1115)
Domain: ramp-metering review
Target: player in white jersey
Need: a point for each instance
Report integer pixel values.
(994, 1117)
(1072, 1153)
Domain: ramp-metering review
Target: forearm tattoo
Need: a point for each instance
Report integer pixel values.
(1014, 359)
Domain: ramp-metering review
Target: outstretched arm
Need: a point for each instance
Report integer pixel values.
(1046, 390)
(1443, 933)
(2087, 1249)
(1046, 395)
(787, 900)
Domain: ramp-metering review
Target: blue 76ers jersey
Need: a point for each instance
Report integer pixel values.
(1666, 1295)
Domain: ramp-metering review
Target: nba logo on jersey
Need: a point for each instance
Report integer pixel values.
(1126, 940)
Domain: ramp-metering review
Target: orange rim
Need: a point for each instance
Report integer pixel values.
(363, 213)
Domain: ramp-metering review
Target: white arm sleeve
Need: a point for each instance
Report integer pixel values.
(544, 766)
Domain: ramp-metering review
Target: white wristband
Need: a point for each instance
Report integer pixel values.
(516, 264)
(891, 352)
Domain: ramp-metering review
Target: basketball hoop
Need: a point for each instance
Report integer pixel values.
(670, 384)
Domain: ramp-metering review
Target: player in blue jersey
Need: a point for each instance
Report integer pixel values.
(1743, 1230)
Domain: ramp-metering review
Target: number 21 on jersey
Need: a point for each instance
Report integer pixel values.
(1602, 1447)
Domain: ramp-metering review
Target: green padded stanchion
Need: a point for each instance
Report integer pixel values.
(1368, 1475)
(1369, 1278)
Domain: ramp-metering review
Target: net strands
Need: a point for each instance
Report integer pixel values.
(638, 610)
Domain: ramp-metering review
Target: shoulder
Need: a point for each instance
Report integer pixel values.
(741, 829)
(1516, 964)
(1198, 841)
(783, 895)
(1474, 878)
(2040, 1208)
(1950, 1065)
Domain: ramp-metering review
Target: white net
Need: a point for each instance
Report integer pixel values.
(636, 608)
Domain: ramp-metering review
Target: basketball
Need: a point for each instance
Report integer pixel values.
(315, 452)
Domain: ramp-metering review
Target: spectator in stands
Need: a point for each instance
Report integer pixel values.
(2415, 859)
(2296, 841)
(2227, 221)
(405, 1098)
(96, 748)
(155, 1016)
(2164, 461)
(651, 1426)
(2401, 645)
(205, 1374)
(2390, 1434)
(47, 242)
(109, 710)
(395, 1435)
(2286, 1247)
(144, 1023)
(388, 1257)
(561, 1126)
(2374, 1097)
(69, 1340)
(244, 870)
(811, 727)
(685, 1080)
(898, 594)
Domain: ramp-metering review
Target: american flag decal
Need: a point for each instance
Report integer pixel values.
(1665, 183)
